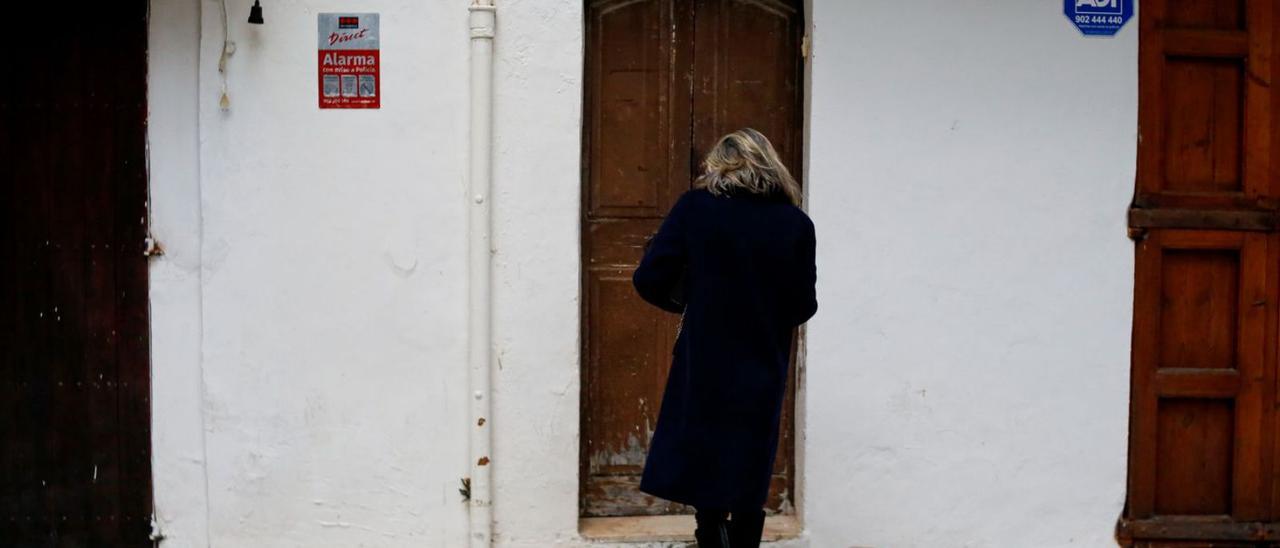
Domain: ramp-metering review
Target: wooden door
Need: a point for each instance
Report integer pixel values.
(74, 373)
(1202, 455)
(664, 80)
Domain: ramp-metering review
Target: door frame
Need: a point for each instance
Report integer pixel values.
(798, 479)
(175, 60)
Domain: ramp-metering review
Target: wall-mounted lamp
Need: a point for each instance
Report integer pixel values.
(255, 13)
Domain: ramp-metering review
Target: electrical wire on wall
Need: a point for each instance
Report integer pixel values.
(228, 48)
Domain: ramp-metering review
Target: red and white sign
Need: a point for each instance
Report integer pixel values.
(349, 61)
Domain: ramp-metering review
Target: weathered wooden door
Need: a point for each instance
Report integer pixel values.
(664, 80)
(74, 374)
(1203, 444)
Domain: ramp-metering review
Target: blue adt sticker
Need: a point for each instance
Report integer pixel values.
(1098, 17)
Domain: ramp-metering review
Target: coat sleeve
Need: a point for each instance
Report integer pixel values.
(806, 298)
(664, 261)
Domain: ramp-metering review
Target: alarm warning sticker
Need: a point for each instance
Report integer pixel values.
(349, 60)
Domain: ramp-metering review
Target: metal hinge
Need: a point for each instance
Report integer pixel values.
(152, 247)
(804, 46)
(155, 536)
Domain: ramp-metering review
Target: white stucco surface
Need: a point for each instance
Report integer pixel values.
(173, 146)
(966, 375)
(967, 383)
(331, 305)
(536, 187)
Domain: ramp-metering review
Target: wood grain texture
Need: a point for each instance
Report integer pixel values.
(1206, 14)
(1202, 455)
(1206, 105)
(664, 79)
(74, 366)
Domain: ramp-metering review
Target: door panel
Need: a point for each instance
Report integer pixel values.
(1202, 455)
(637, 100)
(747, 73)
(650, 110)
(1203, 301)
(1205, 109)
(74, 371)
(635, 164)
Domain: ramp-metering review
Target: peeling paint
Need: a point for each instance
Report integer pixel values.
(632, 453)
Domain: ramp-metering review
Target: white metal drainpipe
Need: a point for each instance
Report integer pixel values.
(479, 292)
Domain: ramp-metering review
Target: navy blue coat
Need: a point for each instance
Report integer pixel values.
(746, 264)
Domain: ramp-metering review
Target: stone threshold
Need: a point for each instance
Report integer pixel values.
(671, 528)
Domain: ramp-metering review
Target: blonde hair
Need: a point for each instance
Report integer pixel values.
(745, 160)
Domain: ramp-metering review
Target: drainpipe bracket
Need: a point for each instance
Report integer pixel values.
(482, 20)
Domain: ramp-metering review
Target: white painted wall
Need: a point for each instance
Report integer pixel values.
(966, 374)
(536, 187)
(173, 147)
(330, 310)
(970, 167)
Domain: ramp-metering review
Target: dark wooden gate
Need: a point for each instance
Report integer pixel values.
(664, 80)
(74, 374)
(1203, 444)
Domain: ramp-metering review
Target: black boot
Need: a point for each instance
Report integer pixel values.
(712, 531)
(746, 528)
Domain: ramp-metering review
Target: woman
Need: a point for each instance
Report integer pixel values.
(736, 256)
